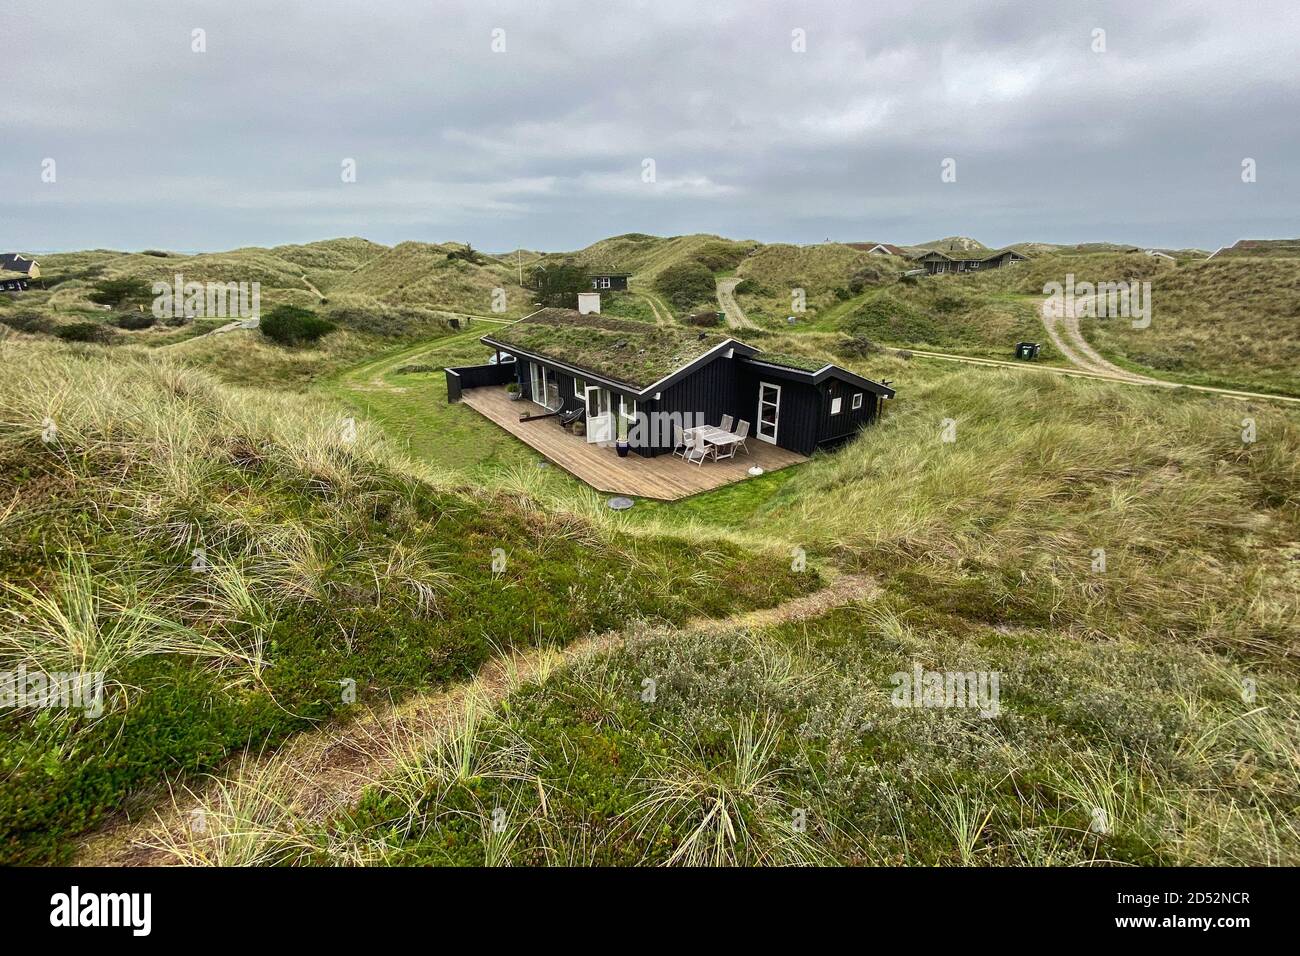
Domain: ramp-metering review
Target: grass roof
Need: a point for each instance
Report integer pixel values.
(800, 362)
(634, 353)
(969, 255)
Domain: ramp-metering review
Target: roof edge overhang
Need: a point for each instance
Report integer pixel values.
(829, 370)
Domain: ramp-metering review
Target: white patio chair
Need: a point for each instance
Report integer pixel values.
(724, 450)
(697, 449)
(726, 423)
(679, 441)
(742, 432)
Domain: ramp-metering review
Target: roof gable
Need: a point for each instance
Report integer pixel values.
(642, 358)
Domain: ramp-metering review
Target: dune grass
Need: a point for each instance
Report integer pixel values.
(232, 560)
(1149, 711)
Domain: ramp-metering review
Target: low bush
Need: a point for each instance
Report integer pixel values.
(120, 291)
(29, 322)
(290, 325)
(135, 320)
(686, 285)
(86, 332)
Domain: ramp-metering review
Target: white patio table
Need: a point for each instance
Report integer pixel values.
(714, 435)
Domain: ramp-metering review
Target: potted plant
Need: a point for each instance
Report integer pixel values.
(512, 390)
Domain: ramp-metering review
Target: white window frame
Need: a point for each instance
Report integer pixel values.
(776, 417)
(857, 400)
(604, 282)
(837, 405)
(580, 388)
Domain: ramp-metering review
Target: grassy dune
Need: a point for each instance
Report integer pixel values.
(230, 560)
(773, 272)
(946, 314)
(647, 256)
(420, 274)
(1148, 712)
(1227, 322)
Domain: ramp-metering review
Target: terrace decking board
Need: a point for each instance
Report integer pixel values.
(663, 478)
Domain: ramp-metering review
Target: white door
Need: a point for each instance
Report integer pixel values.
(600, 418)
(769, 412)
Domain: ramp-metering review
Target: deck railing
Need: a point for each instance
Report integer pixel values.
(476, 376)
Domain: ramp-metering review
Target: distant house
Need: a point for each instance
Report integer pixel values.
(879, 248)
(13, 262)
(609, 281)
(1156, 253)
(967, 260)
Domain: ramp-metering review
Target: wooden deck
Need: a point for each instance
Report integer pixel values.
(664, 477)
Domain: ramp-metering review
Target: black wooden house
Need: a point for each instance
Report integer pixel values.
(618, 374)
(609, 281)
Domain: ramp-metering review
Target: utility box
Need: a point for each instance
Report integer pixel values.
(589, 303)
(1027, 351)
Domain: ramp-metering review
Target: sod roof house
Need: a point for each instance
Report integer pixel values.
(967, 260)
(610, 371)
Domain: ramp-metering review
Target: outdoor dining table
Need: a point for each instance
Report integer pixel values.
(714, 435)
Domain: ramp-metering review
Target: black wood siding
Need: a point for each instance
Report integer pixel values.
(726, 386)
(798, 413)
(713, 391)
(834, 430)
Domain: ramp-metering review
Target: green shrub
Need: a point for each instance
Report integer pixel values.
(86, 332)
(121, 291)
(859, 346)
(29, 322)
(290, 325)
(686, 284)
(135, 320)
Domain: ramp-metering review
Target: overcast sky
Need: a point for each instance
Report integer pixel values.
(544, 144)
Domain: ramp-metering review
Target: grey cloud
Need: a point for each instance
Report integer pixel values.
(542, 145)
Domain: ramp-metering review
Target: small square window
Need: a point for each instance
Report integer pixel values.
(857, 401)
(835, 405)
(579, 388)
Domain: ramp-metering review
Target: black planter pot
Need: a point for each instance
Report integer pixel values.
(622, 449)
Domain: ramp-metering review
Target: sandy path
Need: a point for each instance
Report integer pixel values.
(1075, 347)
(736, 318)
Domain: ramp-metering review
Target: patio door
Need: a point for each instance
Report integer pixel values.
(769, 412)
(546, 386)
(600, 415)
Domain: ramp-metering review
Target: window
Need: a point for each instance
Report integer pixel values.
(857, 401)
(835, 405)
(580, 388)
(604, 282)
